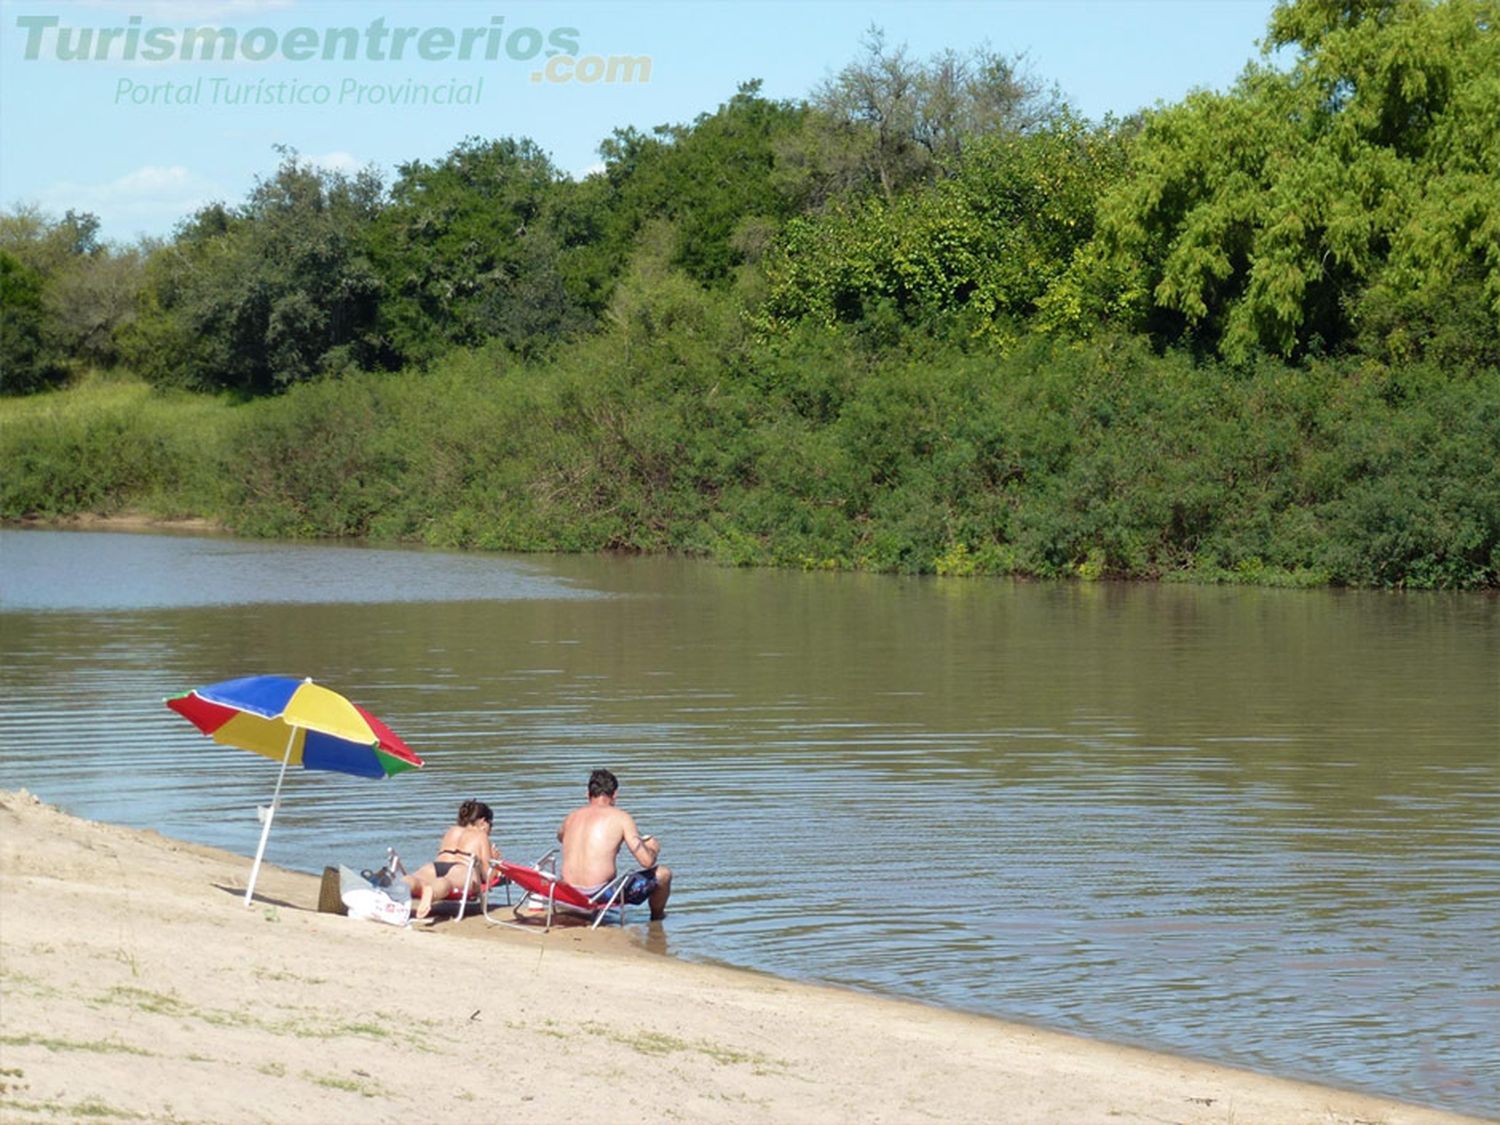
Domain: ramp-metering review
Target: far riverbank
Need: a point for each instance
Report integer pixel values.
(1101, 462)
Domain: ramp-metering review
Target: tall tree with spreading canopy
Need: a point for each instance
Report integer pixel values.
(1355, 192)
(712, 182)
(468, 250)
(271, 293)
(887, 121)
(66, 295)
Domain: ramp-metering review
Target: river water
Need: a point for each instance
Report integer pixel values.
(1255, 826)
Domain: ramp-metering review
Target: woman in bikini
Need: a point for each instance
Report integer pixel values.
(470, 837)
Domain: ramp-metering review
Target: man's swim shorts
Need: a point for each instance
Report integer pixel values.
(639, 886)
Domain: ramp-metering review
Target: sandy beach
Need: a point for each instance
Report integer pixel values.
(135, 985)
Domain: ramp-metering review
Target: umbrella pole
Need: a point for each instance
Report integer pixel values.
(265, 832)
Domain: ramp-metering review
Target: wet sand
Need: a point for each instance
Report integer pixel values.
(134, 985)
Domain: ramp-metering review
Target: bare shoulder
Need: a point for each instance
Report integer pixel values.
(584, 820)
(615, 822)
(625, 821)
(473, 837)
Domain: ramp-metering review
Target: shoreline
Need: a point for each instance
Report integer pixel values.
(137, 986)
(120, 521)
(136, 521)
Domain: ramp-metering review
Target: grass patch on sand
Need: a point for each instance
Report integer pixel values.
(16, 981)
(280, 975)
(343, 1082)
(547, 1027)
(363, 1030)
(298, 1024)
(89, 1108)
(144, 1000)
(93, 1046)
(659, 1044)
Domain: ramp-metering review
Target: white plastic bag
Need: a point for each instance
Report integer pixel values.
(363, 899)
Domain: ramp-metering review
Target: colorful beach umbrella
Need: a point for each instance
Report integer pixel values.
(295, 722)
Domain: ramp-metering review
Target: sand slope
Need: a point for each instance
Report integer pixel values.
(135, 986)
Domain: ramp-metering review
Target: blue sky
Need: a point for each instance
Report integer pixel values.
(142, 141)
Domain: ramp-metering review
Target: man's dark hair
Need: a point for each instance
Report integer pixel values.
(602, 783)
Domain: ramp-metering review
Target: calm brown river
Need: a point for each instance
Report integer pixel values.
(1255, 826)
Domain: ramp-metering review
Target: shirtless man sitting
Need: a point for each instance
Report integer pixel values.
(591, 837)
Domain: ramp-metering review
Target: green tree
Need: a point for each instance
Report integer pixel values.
(712, 181)
(468, 250)
(1360, 188)
(92, 301)
(267, 294)
(46, 244)
(86, 289)
(981, 245)
(25, 364)
(886, 121)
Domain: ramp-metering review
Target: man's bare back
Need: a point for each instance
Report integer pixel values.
(591, 836)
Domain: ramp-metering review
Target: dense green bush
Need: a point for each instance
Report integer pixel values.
(676, 431)
(980, 245)
(101, 448)
(25, 361)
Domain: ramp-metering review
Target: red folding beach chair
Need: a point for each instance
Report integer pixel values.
(457, 898)
(545, 890)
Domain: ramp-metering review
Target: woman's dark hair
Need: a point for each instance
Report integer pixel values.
(472, 811)
(602, 783)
